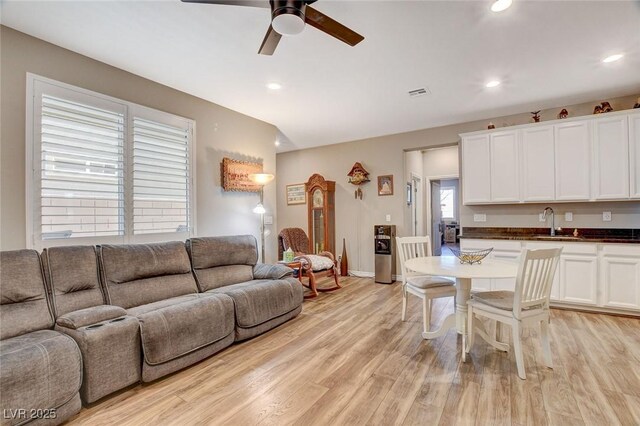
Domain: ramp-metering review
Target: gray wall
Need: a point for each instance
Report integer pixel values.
(385, 155)
(220, 132)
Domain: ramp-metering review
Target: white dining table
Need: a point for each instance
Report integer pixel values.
(450, 266)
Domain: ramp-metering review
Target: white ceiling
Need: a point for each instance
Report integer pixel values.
(546, 54)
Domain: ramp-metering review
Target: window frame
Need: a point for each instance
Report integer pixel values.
(35, 87)
(453, 192)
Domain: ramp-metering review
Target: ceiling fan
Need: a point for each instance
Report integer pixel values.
(288, 17)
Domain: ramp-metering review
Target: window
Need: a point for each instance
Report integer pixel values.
(447, 203)
(101, 170)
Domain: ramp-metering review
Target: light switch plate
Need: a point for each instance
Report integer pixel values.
(388, 218)
(268, 220)
(606, 216)
(568, 217)
(480, 217)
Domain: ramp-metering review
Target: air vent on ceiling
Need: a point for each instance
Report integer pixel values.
(419, 92)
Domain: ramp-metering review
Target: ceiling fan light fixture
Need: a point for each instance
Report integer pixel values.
(500, 5)
(288, 21)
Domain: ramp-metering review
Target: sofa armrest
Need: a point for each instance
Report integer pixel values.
(88, 316)
(263, 271)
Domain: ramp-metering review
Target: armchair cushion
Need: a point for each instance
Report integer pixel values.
(263, 271)
(318, 263)
(84, 317)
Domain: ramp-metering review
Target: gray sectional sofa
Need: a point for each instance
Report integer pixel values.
(81, 322)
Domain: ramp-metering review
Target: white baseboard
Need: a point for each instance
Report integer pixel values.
(366, 274)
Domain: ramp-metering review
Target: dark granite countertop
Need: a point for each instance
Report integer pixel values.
(585, 235)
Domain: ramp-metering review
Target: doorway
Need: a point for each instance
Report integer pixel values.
(444, 215)
(417, 225)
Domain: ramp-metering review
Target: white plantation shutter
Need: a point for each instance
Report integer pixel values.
(161, 177)
(81, 170)
(102, 170)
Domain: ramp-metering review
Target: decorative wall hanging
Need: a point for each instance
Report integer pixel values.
(235, 175)
(296, 194)
(385, 185)
(357, 176)
(563, 114)
(536, 116)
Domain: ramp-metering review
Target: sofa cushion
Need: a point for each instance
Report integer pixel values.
(40, 370)
(173, 330)
(139, 274)
(258, 301)
(73, 277)
(221, 261)
(23, 302)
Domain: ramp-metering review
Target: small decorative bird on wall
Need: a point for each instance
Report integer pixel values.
(536, 116)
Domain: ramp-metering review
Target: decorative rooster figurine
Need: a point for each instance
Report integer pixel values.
(536, 116)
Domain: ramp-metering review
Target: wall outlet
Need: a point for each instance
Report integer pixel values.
(606, 216)
(480, 217)
(541, 217)
(388, 218)
(568, 217)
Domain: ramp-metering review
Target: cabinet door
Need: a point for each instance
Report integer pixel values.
(504, 166)
(610, 159)
(634, 154)
(538, 170)
(476, 169)
(620, 278)
(572, 161)
(505, 283)
(579, 279)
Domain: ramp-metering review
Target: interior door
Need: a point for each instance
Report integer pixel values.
(416, 211)
(436, 218)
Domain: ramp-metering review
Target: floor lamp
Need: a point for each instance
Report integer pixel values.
(261, 179)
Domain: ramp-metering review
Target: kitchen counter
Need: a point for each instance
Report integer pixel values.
(587, 235)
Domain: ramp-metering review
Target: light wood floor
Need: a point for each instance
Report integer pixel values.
(348, 359)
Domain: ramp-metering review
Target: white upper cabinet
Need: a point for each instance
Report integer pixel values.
(634, 154)
(537, 164)
(504, 166)
(573, 161)
(610, 159)
(476, 169)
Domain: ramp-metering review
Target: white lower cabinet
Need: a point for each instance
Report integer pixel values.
(620, 276)
(605, 276)
(579, 279)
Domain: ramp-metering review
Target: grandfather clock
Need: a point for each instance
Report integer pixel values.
(321, 214)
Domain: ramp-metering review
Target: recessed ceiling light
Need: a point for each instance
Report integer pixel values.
(492, 83)
(274, 86)
(500, 5)
(277, 143)
(612, 58)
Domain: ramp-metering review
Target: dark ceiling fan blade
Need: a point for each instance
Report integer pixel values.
(251, 3)
(270, 42)
(333, 28)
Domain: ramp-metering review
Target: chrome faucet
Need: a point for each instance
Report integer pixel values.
(553, 219)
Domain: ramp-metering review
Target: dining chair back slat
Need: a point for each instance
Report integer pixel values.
(535, 279)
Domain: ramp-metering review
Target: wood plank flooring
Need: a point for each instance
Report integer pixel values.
(349, 360)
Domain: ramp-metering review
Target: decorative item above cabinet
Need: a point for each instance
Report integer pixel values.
(588, 158)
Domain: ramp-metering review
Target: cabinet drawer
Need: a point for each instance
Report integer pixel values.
(626, 250)
(506, 245)
(567, 248)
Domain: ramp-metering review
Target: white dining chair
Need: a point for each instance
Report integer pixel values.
(426, 287)
(527, 305)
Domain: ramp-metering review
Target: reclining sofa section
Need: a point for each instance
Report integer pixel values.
(178, 325)
(40, 369)
(108, 338)
(264, 296)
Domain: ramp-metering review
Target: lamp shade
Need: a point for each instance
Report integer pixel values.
(259, 209)
(261, 178)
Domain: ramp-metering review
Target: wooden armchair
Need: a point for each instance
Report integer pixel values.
(312, 265)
